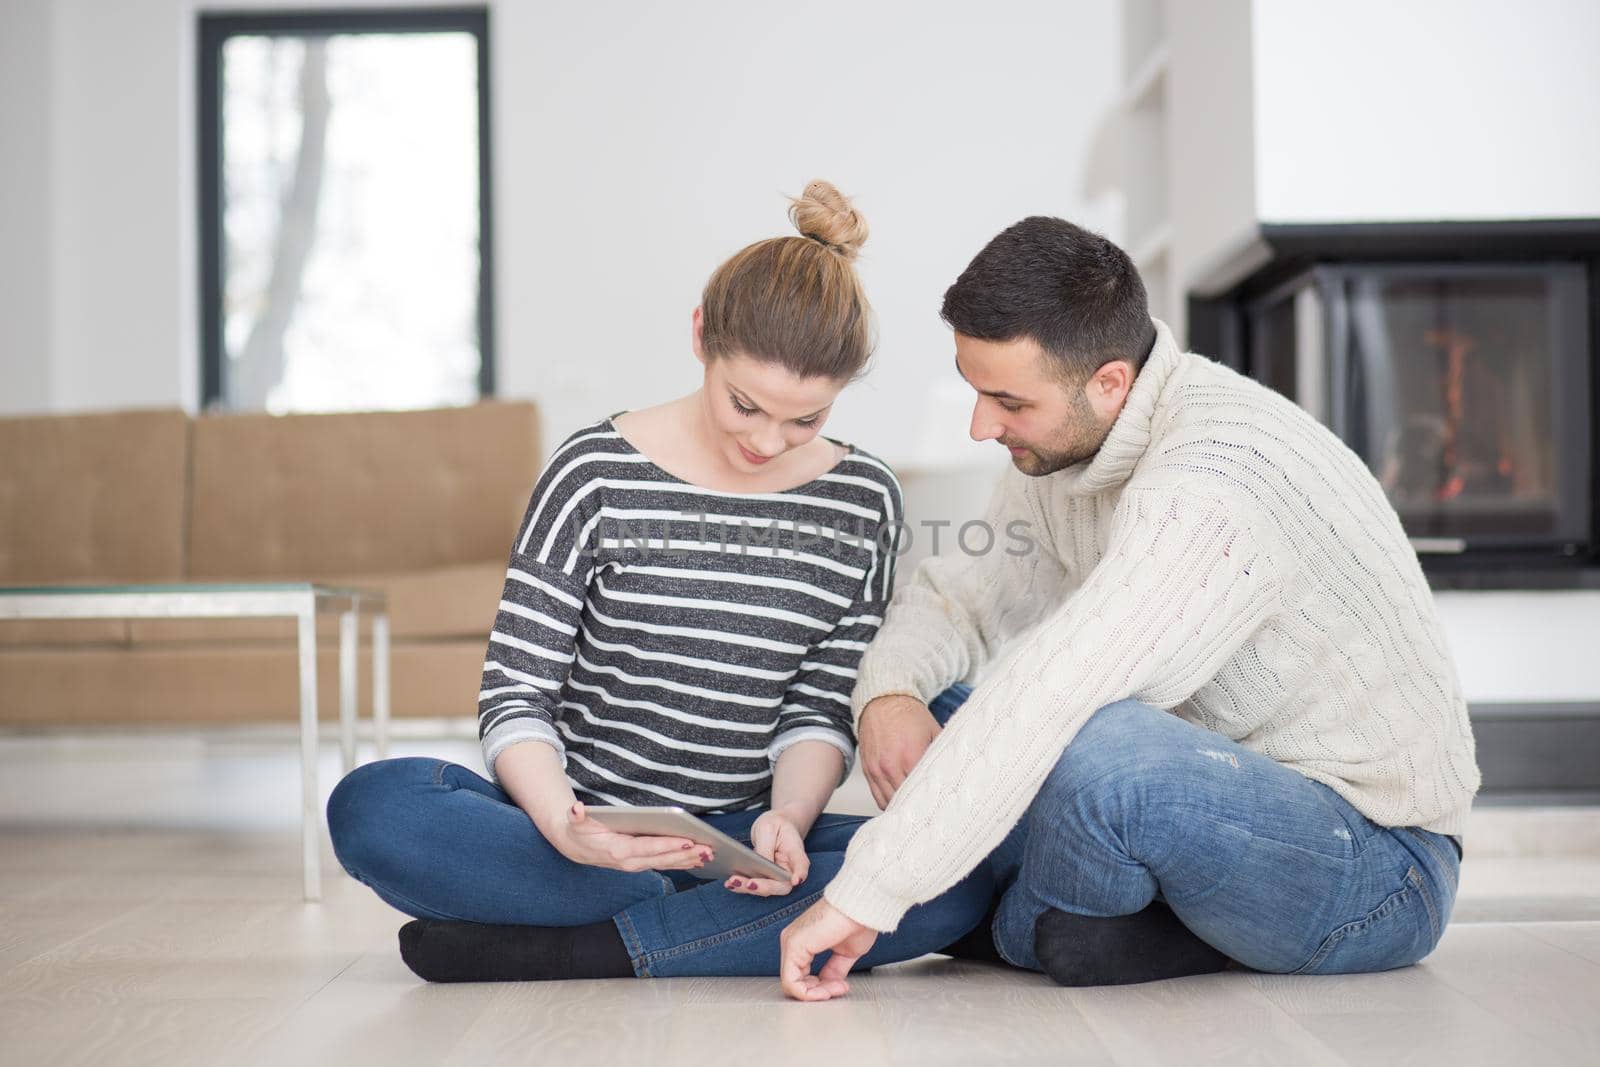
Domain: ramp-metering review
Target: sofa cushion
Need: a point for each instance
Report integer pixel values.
(16, 633)
(226, 684)
(443, 602)
(93, 498)
(319, 496)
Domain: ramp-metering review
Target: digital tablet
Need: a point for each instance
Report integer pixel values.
(729, 856)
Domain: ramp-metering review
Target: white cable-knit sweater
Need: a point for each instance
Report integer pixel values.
(1224, 556)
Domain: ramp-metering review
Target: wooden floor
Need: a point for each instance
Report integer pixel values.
(170, 945)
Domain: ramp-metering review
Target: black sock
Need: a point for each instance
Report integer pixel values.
(443, 951)
(978, 943)
(1147, 946)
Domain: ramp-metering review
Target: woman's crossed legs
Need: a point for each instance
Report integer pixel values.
(437, 841)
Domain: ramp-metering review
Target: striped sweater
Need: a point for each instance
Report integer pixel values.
(671, 641)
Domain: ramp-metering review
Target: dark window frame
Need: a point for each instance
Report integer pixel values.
(214, 31)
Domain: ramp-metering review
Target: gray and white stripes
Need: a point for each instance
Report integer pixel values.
(671, 641)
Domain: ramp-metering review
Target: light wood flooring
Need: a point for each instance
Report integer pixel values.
(136, 928)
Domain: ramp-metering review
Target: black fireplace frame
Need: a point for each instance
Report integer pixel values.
(1277, 254)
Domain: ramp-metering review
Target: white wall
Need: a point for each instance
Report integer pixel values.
(124, 274)
(635, 158)
(1212, 148)
(635, 148)
(25, 241)
(96, 263)
(1523, 646)
(1370, 110)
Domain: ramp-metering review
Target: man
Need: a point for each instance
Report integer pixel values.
(1216, 720)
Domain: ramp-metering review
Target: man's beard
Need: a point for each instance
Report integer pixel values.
(1075, 442)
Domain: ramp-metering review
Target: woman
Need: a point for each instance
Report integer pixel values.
(687, 598)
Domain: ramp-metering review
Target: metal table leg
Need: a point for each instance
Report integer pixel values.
(310, 817)
(347, 688)
(380, 683)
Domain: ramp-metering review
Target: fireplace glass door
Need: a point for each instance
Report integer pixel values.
(1465, 388)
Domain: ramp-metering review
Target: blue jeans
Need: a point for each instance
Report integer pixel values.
(437, 841)
(1272, 869)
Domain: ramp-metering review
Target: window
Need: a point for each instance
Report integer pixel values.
(344, 210)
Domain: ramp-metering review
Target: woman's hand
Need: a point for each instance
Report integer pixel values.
(777, 838)
(585, 840)
(531, 772)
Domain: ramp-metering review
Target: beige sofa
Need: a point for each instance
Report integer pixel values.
(422, 504)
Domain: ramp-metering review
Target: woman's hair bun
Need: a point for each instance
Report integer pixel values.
(824, 214)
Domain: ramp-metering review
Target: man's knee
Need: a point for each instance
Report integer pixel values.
(1123, 734)
(1119, 726)
(1127, 754)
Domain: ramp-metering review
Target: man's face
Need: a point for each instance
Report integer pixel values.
(1046, 424)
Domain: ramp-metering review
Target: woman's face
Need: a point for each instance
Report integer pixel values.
(757, 410)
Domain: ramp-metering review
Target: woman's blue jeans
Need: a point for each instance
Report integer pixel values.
(1274, 870)
(438, 841)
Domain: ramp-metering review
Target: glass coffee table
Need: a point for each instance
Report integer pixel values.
(302, 601)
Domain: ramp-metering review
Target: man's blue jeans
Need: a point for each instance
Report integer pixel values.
(1272, 869)
(438, 841)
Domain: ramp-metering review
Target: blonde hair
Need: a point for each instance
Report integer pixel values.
(796, 301)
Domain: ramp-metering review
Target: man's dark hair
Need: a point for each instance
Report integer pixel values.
(1073, 292)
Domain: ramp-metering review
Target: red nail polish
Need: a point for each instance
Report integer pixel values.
(735, 883)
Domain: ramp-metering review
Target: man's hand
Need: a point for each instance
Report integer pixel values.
(893, 733)
(819, 928)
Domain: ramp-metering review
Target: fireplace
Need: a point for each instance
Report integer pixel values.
(1458, 360)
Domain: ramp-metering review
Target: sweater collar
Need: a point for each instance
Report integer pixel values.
(1130, 434)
